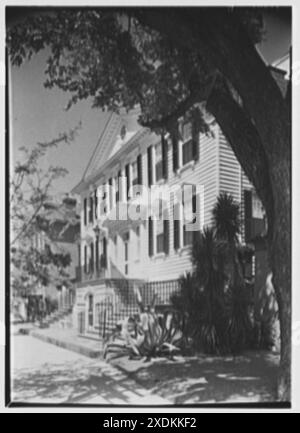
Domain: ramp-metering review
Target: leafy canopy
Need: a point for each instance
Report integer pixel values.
(109, 55)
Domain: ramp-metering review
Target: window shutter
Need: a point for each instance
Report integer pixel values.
(85, 259)
(150, 236)
(91, 215)
(92, 257)
(85, 211)
(110, 193)
(176, 227)
(96, 204)
(127, 174)
(150, 173)
(140, 170)
(166, 236)
(194, 202)
(104, 260)
(175, 146)
(248, 214)
(97, 252)
(164, 146)
(195, 138)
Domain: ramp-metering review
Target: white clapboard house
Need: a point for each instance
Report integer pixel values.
(119, 254)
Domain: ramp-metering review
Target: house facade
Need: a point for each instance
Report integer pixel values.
(123, 238)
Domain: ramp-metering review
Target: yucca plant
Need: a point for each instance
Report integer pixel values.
(201, 296)
(226, 217)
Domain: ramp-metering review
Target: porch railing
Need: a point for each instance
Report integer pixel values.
(123, 302)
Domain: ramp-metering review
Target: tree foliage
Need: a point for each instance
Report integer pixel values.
(31, 189)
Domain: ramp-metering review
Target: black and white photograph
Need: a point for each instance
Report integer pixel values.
(149, 206)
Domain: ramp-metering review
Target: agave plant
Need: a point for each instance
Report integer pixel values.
(147, 335)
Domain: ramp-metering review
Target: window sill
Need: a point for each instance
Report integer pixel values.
(188, 165)
(182, 250)
(159, 256)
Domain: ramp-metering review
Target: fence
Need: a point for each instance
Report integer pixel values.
(123, 302)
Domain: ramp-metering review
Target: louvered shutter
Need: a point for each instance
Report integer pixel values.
(140, 170)
(104, 257)
(85, 211)
(175, 146)
(127, 174)
(195, 138)
(164, 147)
(150, 236)
(150, 171)
(166, 236)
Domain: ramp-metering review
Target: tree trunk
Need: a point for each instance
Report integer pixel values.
(280, 261)
(272, 182)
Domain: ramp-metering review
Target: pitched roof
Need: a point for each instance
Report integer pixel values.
(111, 140)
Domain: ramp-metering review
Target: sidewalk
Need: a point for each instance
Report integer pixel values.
(69, 339)
(46, 373)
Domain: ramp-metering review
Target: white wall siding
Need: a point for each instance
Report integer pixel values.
(204, 172)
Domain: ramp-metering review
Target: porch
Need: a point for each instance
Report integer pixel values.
(104, 304)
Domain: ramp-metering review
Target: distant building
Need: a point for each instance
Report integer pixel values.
(62, 236)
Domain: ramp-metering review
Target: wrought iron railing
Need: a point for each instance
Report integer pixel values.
(123, 303)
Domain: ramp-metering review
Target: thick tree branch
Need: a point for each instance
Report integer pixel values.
(197, 95)
(245, 142)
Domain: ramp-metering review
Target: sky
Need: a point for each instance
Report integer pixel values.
(37, 114)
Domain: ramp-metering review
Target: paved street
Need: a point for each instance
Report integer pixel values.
(44, 373)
